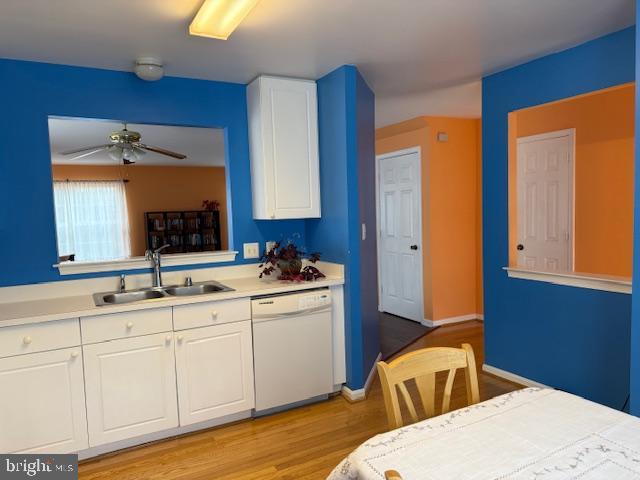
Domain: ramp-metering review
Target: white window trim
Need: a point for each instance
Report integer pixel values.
(607, 283)
(135, 263)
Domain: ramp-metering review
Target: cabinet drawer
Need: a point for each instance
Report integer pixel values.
(99, 328)
(211, 313)
(39, 337)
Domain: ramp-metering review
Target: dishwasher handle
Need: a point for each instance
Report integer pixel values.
(257, 318)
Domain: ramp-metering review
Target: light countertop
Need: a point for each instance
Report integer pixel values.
(35, 311)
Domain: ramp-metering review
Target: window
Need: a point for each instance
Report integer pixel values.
(91, 220)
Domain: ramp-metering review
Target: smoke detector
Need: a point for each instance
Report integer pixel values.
(149, 68)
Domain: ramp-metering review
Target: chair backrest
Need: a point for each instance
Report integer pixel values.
(422, 366)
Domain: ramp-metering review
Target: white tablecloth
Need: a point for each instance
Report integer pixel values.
(533, 433)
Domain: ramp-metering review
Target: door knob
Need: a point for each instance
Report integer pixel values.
(520, 246)
(413, 247)
(26, 340)
(129, 325)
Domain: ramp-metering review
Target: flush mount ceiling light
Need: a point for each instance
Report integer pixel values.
(149, 68)
(219, 18)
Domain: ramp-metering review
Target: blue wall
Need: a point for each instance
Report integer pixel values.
(570, 338)
(33, 91)
(365, 134)
(346, 136)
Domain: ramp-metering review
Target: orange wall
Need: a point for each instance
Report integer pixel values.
(604, 162)
(153, 188)
(450, 209)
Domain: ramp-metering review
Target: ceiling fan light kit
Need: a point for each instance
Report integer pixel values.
(149, 68)
(125, 147)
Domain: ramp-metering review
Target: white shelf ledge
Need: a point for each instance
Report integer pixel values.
(607, 283)
(135, 263)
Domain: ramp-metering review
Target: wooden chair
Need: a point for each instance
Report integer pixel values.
(392, 475)
(422, 366)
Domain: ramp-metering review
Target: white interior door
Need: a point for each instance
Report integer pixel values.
(545, 201)
(400, 223)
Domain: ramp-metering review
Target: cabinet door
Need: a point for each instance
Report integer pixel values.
(42, 405)
(215, 371)
(286, 156)
(131, 387)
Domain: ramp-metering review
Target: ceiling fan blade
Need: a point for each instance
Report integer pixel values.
(84, 149)
(161, 151)
(90, 152)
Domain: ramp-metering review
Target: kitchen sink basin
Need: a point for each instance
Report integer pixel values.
(130, 296)
(198, 289)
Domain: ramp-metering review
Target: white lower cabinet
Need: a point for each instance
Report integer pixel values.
(42, 405)
(130, 387)
(215, 371)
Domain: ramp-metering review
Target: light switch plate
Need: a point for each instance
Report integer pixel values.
(251, 250)
(269, 245)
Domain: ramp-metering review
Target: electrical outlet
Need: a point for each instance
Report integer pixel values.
(251, 250)
(269, 245)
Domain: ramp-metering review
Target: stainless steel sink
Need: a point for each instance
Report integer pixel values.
(197, 289)
(130, 296)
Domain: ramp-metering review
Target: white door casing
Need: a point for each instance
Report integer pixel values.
(215, 371)
(399, 216)
(545, 165)
(42, 404)
(130, 387)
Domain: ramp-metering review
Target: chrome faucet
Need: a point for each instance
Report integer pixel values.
(156, 259)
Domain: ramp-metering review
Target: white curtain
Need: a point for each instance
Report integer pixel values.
(92, 220)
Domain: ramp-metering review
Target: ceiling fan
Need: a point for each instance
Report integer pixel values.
(125, 146)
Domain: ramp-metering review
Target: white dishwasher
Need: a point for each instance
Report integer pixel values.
(292, 348)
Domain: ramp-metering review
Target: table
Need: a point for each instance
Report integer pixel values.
(534, 433)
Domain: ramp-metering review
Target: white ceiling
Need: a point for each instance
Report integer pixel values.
(204, 147)
(402, 47)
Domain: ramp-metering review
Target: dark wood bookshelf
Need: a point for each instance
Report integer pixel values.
(186, 231)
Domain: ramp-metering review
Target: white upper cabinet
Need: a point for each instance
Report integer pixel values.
(283, 134)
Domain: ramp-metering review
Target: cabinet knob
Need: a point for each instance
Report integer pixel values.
(129, 325)
(168, 338)
(180, 338)
(74, 354)
(214, 315)
(27, 340)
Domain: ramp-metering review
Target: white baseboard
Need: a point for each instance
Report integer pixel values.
(361, 393)
(445, 321)
(512, 377)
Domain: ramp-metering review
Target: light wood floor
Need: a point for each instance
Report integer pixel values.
(304, 443)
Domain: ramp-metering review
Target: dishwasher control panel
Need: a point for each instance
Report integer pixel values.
(314, 300)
